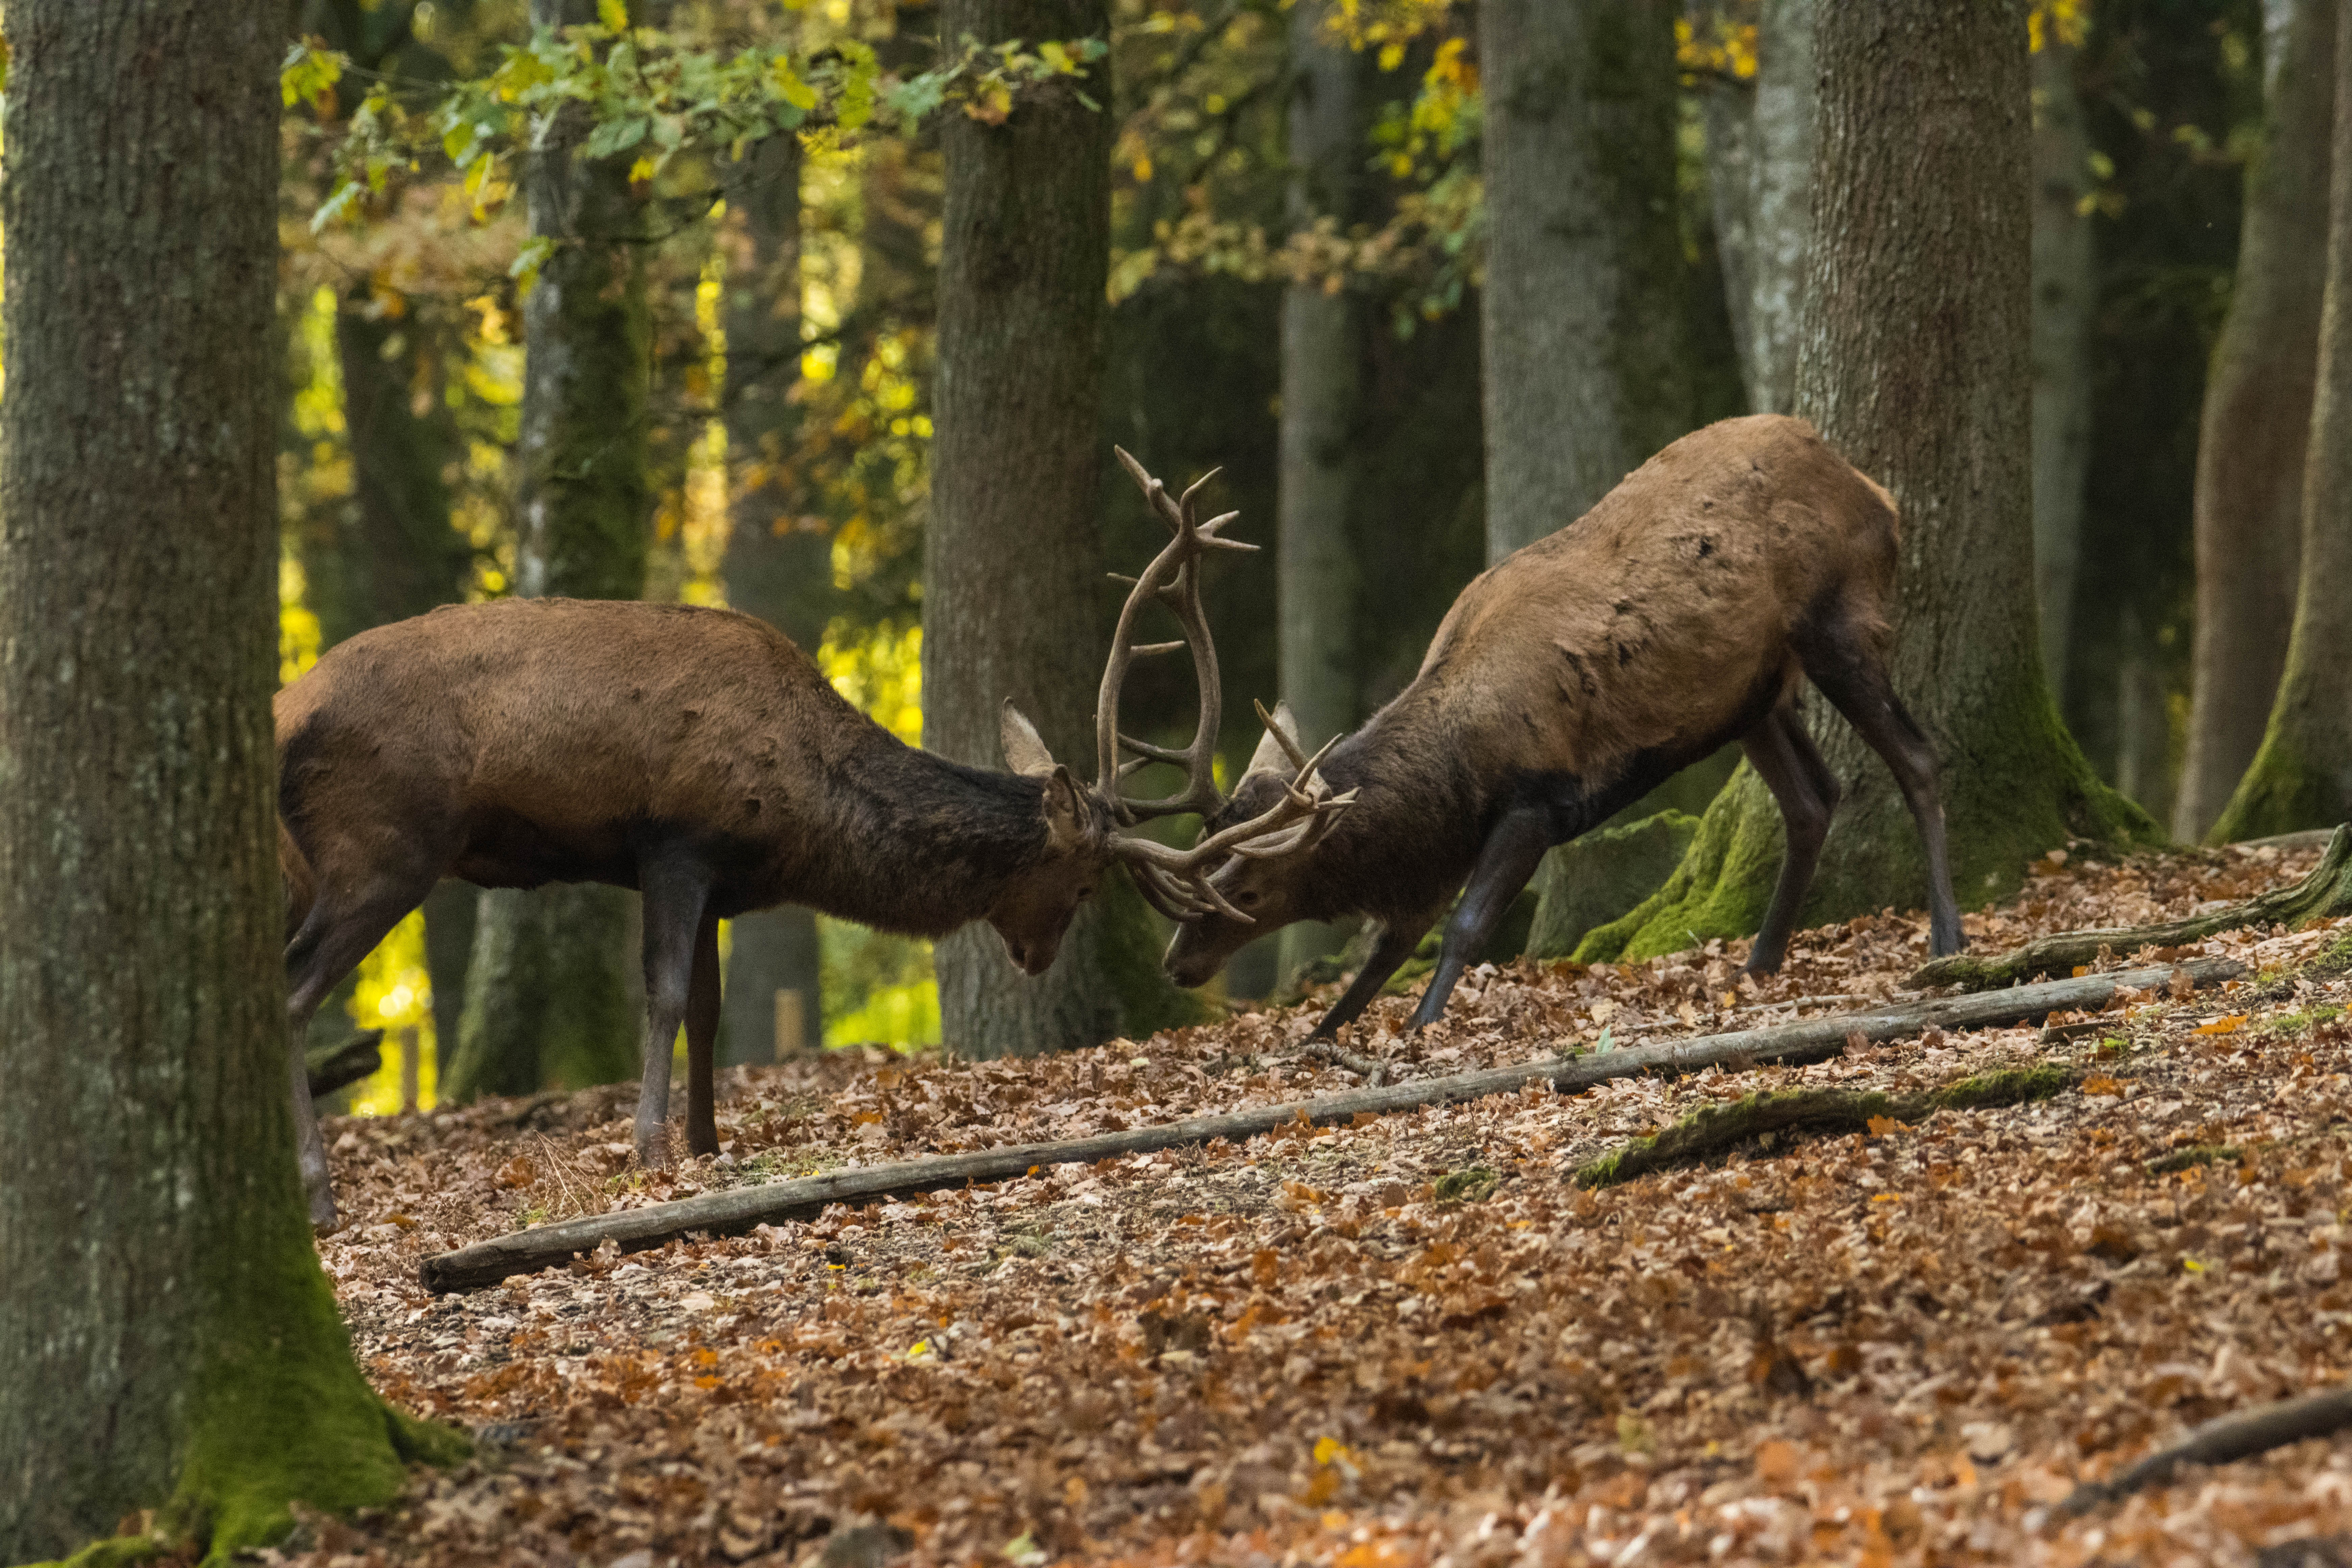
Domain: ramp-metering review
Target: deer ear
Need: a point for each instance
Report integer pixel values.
(1024, 750)
(1066, 820)
(1272, 756)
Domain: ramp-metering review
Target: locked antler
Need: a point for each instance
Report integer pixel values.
(1176, 881)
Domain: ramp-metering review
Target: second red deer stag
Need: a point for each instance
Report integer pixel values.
(699, 756)
(1680, 613)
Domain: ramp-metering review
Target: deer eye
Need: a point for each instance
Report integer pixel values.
(1245, 901)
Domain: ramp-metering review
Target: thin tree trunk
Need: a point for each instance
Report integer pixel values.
(1587, 357)
(1727, 114)
(166, 1336)
(2250, 453)
(2065, 303)
(2143, 728)
(1322, 350)
(2302, 777)
(547, 998)
(1780, 186)
(778, 568)
(1013, 555)
(1915, 364)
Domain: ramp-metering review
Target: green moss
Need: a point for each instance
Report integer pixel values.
(2283, 791)
(1591, 881)
(1718, 1129)
(1473, 1184)
(2197, 1155)
(1718, 890)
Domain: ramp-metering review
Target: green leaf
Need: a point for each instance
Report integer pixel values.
(307, 74)
(613, 14)
(614, 136)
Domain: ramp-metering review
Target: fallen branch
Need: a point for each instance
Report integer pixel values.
(1718, 1129)
(339, 1066)
(2326, 893)
(2238, 1437)
(737, 1209)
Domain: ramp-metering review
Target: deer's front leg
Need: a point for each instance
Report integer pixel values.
(675, 893)
(1512, 852)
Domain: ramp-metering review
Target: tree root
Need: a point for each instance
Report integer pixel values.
(2238, 1437)
(2324, 894)
(1718, 1129)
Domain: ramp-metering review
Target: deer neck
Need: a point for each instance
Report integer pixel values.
(1414, 833)
(920, 844)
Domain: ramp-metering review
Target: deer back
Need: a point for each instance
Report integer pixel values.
(1661, 622)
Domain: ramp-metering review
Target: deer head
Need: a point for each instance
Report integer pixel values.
(1253, 881)
(1083, 823)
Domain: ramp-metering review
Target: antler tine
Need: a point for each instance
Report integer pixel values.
(1173, 579)
(1281, 737)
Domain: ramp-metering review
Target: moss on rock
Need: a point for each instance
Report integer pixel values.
(1589, 882)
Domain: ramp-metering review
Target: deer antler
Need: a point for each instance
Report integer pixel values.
(1177, 882)
(1172, 579)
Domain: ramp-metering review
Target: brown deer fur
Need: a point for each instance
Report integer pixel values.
(1571, 679)
(693, 753)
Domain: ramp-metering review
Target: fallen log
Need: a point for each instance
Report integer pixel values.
(737, 1209)
(2219, 1442)
(1718, 1129)
(339, 1066)
(2326, 892)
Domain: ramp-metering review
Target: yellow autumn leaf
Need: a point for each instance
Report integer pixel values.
(1879, 1126)
(2100, 1083)
(790, 86)
(2225, 1025)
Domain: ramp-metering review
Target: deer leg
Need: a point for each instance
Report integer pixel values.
(702, 1041)
(1512, 852)
(1783, 756)
(1857, 686)
(329, 945)
(1396, 944)
(675, 893)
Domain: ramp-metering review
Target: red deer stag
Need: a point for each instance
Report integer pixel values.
(1575, 676)
(699, 756)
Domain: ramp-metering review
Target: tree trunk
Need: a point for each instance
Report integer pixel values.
(1915, 364)
(1322, 350)
(2065, 304)
(778, 567)
(1727, 114)
(166, 1336)
(1587, 333)
(1780, 193)
(2250, 453)
(2302, 777)
(1012, 557)
(547, 999)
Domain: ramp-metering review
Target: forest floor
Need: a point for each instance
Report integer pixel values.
(1415, 1340)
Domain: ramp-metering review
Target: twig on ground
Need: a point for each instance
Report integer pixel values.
(2325, 892)
(2238, 1437)
(1718, 1129)
(737, 1209)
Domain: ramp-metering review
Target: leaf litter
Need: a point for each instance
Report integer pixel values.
(1415, 1340)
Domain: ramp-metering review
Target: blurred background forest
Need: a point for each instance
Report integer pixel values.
(1298, 235)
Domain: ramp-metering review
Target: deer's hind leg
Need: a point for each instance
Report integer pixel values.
(1853, 675)
(702, 1042)
(1784, 757)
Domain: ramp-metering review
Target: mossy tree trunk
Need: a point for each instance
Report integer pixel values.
(2302, 777)
(778, 566)
(2257, 417)
(1915, 363)
(546, 994)
(167, 1337)
(1013, 601)
(1322, 355)
(1586, 342)
(2065, 300)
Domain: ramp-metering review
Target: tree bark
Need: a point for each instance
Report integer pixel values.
(166, 1336)
(2065, 304)
(1012, 555)
(1915, 364)
(2302, 777)
(546, 994)
(1780, 201)
(1322, 350)
(2258, 405)
(1587, 355)
(779, 567)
